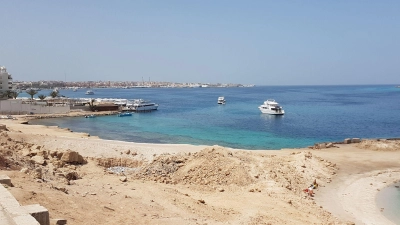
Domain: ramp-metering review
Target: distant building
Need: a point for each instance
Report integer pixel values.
(5, 82)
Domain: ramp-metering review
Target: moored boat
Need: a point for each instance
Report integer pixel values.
(89, 92)
(221, 100)
(122, 114)
(140, 105)
(271, 107)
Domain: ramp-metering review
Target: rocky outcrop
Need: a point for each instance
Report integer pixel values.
(72, 157)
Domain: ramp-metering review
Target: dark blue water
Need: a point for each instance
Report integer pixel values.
(192, 116)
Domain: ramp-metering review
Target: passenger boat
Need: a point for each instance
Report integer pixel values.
(89, 92)
(140, 105)
(124, 114)
(271, 107)
(221, 100)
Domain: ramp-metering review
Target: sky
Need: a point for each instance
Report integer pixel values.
(207, 41)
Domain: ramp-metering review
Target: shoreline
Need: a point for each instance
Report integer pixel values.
(345, 185)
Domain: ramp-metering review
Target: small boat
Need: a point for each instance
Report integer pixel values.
(271, 107)
(124, 114)
(90, 116)
(89, 92)
(75, 89)
(221, 100)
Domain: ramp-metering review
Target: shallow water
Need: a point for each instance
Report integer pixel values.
(389, 200)
(192, 116)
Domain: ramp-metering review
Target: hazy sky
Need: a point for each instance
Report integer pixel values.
(216, 41)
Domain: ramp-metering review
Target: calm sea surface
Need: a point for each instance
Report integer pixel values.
(389, 200)
(192, 115)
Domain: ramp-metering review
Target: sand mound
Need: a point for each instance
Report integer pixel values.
(215, 166)
(380, 145)
(211, 166)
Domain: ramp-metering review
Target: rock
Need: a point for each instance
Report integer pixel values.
(59, 155)
(26, 152)
(127, 152)
(347, 141)
(40, 153)
(36, 147)
(38, 160)
(37, 173)
(322, 145)
(123, 179)
(220, 189)
(53, 153)
(202, 201)
(329, 145)
(72, 175)
(355, 140)
(24, 170)
(72, 157)
(59, 221)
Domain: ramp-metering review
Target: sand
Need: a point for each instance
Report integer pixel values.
(186, 184)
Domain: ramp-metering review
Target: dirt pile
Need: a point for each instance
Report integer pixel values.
(215, 166)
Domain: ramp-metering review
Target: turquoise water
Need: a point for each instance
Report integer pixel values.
(192, 116)
(389, 199)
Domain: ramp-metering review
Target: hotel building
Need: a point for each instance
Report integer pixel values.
(5, 82)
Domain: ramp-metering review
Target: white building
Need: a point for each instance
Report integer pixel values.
(5, 82)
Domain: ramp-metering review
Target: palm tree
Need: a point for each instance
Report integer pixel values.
(42, 97)
(31, 92)
(14, 94)
(91, 105)
(54, 94)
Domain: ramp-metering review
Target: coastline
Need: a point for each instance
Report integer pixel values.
(361, 172)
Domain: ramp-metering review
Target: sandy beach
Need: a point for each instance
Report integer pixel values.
(186, 184)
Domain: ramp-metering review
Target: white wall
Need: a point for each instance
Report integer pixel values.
(16, 107)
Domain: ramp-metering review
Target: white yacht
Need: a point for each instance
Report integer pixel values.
(271, 107)
(89, 92)
(221, 100)
(140, 105)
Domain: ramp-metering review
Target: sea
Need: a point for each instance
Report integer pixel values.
(389, 200)
(313, 114)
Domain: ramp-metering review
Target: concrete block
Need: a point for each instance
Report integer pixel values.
(3, 127)
(4, 218)
(347, 141)
(40, 213)
(4, 179)
(25, 220)
(355, 140)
